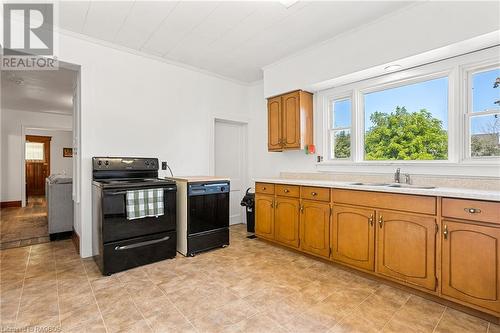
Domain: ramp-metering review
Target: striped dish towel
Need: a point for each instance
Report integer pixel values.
(143, 203)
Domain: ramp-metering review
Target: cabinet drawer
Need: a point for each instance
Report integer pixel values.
(288, 190)
(315, 193)
(483, 211)
(264, 188)
(392, 201)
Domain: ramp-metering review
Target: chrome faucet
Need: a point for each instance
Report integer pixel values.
(397, 175)
(407, 179)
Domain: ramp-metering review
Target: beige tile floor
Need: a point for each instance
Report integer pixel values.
(250, 286)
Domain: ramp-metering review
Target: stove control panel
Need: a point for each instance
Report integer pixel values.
(124, 163)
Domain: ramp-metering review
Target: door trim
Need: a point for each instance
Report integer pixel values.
(24, 129)
(237, 120)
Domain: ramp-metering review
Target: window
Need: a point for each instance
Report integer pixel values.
(483, 116)
(340, 129)
(35, 151)
(408, 122)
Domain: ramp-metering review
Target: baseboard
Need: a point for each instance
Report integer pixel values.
(61, 235)
(10, 204)
(76, 241)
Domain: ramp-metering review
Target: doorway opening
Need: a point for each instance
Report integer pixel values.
(231, 160)
(38, 117)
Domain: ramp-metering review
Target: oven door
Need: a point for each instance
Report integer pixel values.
(116, 226)
(208, 212)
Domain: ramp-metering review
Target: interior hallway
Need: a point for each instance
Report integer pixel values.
(21, 226)
(250, 286)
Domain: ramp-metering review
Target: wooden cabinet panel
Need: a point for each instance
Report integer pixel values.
(288, 190)
(475, 210)
(286, 221)
(470, 263)
(393, 201)
(406, 248)
(315, 228)
(264, 216)
(264, 188)
(353, 238)
(274, 118)
(315, 193)
(291, 120)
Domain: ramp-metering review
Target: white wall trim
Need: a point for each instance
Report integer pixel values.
(150, 56)
(24, 129)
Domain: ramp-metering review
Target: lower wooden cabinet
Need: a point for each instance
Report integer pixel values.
(264, 216)
(315, 228)
(470, 263)
(286, 221)
(406, 248)
(353, 238)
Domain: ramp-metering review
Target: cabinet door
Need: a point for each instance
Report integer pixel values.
(406, 248)
(264, 216)
(315, 228)
(470, 262)
(286, 221)
(291, 120)
(353, 238)
(274, 139)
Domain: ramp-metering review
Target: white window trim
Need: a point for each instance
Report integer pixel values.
(456, 69)
(329, 121)
(468, 114)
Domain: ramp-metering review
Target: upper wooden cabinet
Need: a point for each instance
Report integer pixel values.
(290, 121)
(406, 248)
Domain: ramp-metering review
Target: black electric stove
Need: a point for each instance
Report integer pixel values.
(120, 243)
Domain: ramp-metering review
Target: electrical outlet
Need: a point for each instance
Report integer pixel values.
(164, 165)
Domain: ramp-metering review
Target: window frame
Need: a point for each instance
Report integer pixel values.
(331, 129)
(468, 73)
(42, 160)
(456, 70)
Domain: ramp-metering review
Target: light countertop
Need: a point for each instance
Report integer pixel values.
(197, 179)
(463, 193)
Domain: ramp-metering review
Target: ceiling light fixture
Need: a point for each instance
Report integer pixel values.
(288, 3)
(392, 68)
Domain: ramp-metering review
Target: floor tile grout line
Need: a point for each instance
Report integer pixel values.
(396, 312)
(57, 288)
(93, 294)
(22, 287)
(135, 304)
(440, 317)
(173, 304)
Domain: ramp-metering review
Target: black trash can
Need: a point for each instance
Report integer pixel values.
(248, 201)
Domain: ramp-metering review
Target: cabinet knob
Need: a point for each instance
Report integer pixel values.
(314, 194)
(286, 190)
(371, 219)
(380, 221)
(445, 232)
(263, 189)
(472, 210)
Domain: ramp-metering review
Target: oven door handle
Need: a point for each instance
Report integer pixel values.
(149, 242)
(125, 192)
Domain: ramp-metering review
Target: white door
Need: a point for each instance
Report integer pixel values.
(230, 161)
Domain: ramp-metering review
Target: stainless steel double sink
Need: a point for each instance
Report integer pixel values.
(397, 185)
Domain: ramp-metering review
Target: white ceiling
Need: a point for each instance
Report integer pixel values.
(38, 91)
(231, 38)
